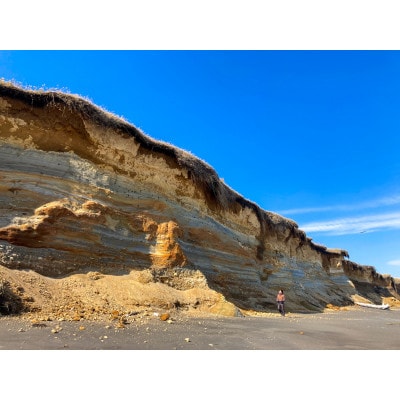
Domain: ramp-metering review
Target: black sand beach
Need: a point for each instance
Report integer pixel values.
(229, 374)
(358, 329)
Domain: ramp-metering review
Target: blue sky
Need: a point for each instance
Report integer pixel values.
(312, 135)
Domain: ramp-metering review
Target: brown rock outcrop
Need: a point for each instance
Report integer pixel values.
(84, 191)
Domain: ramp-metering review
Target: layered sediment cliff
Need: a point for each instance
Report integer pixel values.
(82, 191)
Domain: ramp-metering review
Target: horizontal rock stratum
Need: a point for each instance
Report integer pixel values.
(86, 194)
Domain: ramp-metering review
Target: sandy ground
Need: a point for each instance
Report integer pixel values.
(228, 373)
(355, 329)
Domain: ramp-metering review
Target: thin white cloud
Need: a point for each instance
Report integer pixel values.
(308, 210)
(345, 226)
(395, 263)
(382, 202)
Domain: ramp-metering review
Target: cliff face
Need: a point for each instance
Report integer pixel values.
(82, 191)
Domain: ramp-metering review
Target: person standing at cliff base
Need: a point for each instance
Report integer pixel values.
(280, 300)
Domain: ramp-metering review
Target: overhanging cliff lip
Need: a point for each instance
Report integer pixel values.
(331, 251)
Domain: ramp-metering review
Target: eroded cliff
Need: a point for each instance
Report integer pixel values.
(86, 194)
